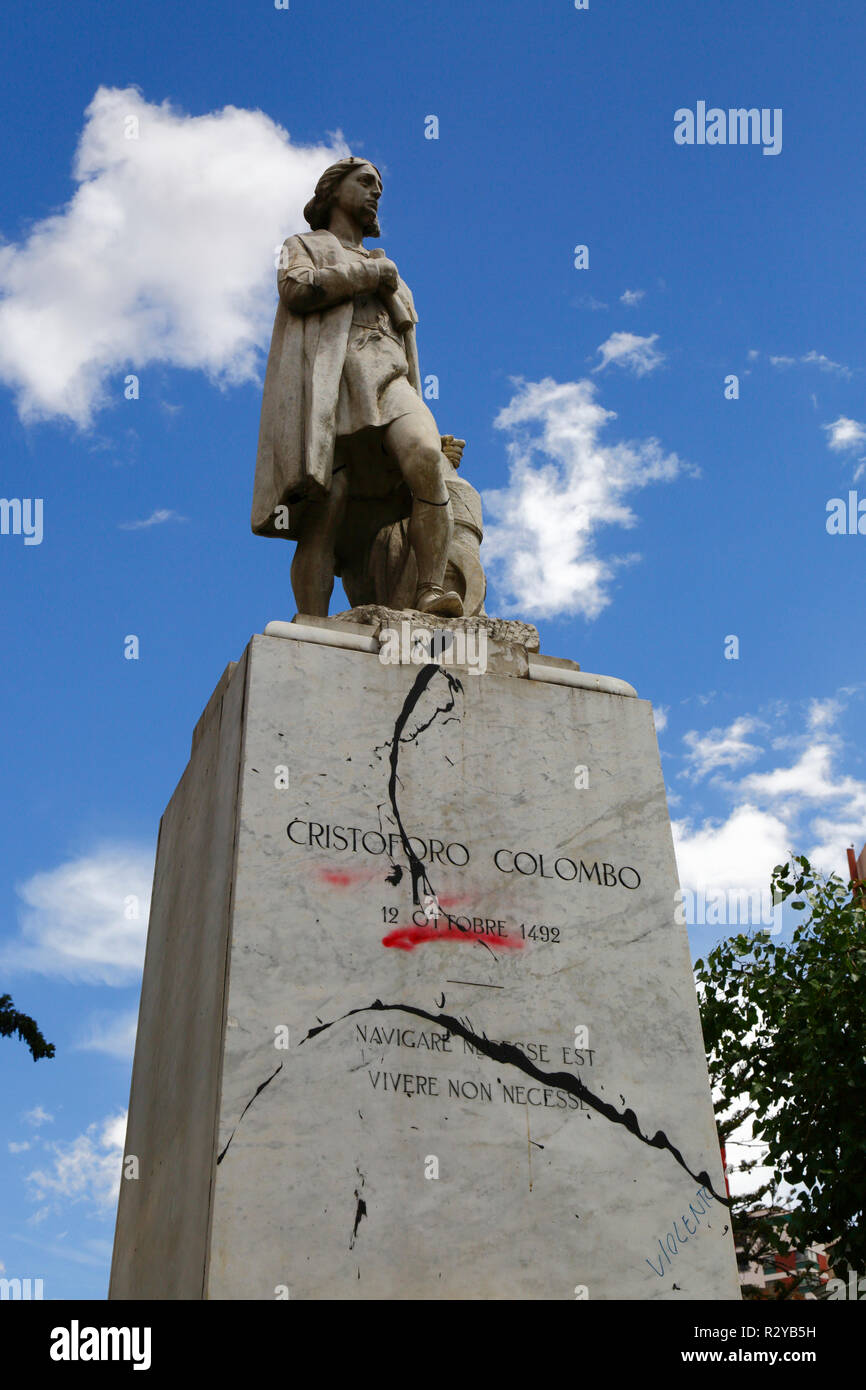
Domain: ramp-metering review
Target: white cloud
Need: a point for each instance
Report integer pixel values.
(38, 1116)
(812, 779)
(21, 1148)
(818, 359)
(720, 748)
(87, 919)
(87, 1169)
(628, 350)
(739, 852)
(813, 785)
(631, 297)
(811, 359)
(564, 484)
(113, 1034)
(165, 253)
(846, 434)
(805, 805)
(157, 518)
(823, 713)
(660, 715)
(830, 838)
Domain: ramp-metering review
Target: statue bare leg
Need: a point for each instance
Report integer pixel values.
(313, 561)
(414, 442)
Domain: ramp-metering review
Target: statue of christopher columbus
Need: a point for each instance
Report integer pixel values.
(350, 463)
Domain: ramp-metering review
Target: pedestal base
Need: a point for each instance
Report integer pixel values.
(417, 1019)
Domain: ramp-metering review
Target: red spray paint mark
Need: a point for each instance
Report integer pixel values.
(407, 938)
(347, 878)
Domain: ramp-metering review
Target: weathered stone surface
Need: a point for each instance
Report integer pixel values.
(508, 631)
(430, 913)
(507, 643)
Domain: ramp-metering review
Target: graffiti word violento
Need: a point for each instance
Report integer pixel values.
(673, 1239)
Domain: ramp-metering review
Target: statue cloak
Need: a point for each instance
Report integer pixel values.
(302, 382)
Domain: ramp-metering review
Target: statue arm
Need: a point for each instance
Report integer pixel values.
(304, 287)
(408, 298)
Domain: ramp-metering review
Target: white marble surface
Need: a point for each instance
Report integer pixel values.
(163, 1215)
(321, 1190)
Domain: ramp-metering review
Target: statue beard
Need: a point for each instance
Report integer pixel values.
(371, 226)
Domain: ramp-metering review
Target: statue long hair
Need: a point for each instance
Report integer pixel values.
(318, 209)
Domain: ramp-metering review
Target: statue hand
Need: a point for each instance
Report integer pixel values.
(453, 449)
(388, 275)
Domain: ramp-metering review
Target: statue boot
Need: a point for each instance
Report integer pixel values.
(443, 603)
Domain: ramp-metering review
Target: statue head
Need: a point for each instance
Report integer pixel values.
(353, 184)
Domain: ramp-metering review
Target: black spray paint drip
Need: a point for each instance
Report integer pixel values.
(511, 1055)
(416, 868)
(422, 681)
(360, 1211)
(221, 1156)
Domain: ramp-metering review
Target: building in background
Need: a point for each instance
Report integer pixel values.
(770, 1268)
(857, 870)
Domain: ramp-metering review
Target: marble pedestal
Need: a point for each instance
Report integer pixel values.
(417, 1021)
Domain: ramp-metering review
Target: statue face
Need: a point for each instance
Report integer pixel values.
(358, 195)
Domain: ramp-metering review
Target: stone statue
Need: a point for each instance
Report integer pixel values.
(351, 464)
(390, 578)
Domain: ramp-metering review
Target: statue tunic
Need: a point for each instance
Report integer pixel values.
(374, 386)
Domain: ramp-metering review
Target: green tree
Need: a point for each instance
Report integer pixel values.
(11, 1021)
(785, 1031)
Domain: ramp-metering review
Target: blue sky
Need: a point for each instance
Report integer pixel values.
(678, 518)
